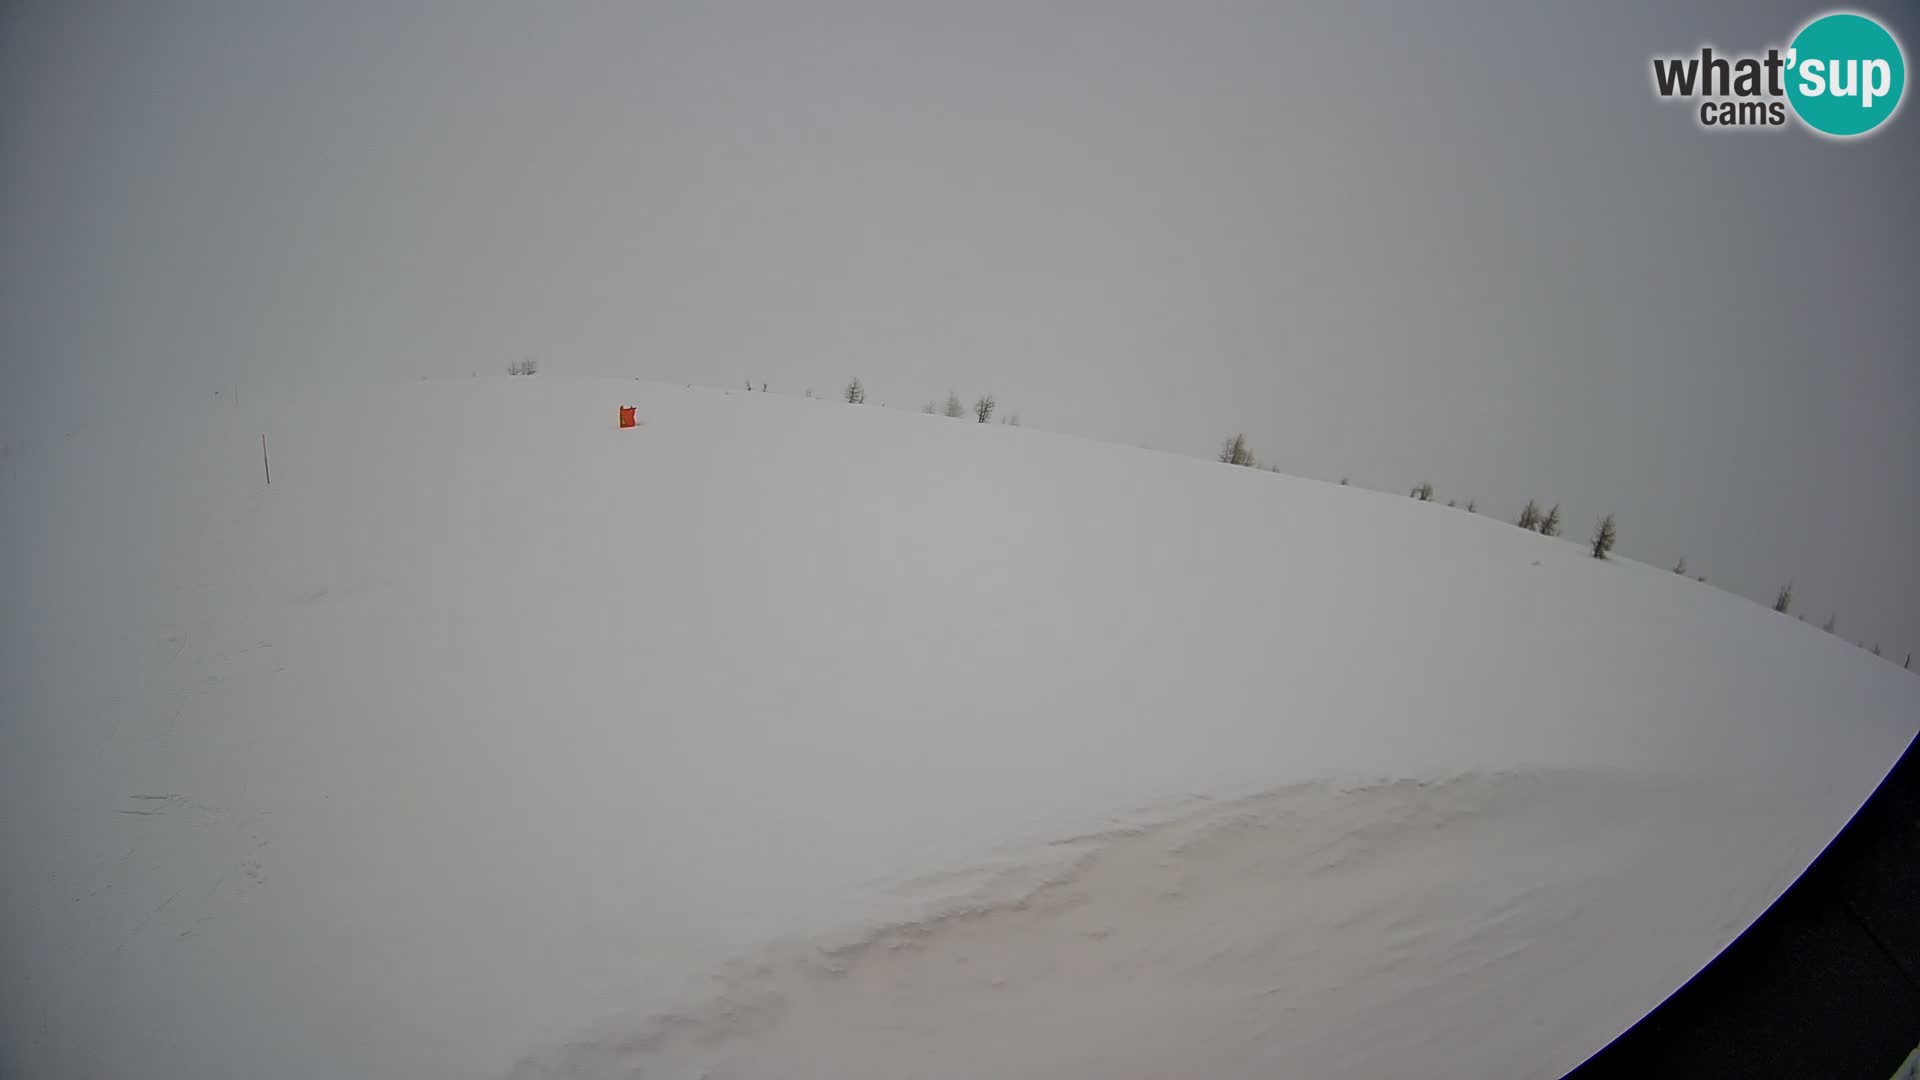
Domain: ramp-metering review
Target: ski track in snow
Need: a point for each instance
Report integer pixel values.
(1245, 933)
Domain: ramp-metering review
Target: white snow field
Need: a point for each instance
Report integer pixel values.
(786, 738)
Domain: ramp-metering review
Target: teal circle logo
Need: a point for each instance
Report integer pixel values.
(1845, 74)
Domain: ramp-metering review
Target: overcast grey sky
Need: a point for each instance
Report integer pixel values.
(1393, 241)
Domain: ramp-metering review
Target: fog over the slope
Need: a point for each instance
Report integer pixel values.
(1387, 241)
(492, 739)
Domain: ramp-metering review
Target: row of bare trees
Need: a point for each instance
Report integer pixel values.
(1547, 523)
(1783, 603)
(982, 409)
(1606, 534)
(1533, 519)
(1235, 451)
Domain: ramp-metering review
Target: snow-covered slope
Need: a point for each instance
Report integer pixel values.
(788, 738)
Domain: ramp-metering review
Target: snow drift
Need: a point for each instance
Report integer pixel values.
(789, 738)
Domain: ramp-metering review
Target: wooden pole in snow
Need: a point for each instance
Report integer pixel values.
(264, 463)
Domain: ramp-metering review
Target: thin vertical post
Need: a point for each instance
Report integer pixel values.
(264, 463)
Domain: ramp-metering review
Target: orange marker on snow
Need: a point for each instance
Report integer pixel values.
(626, 416)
